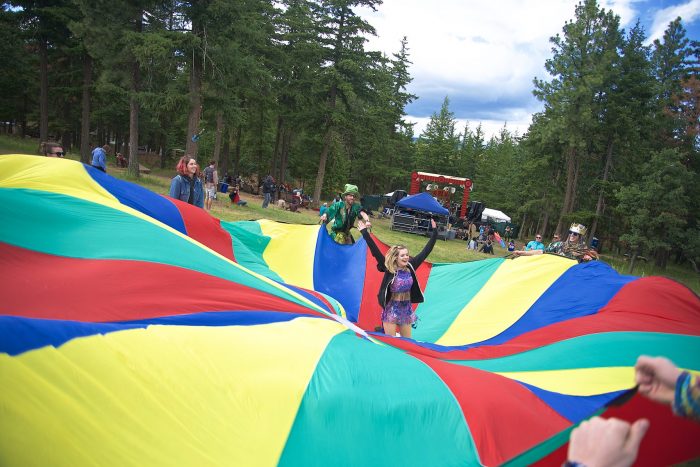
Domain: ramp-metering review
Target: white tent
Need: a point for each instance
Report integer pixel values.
(494, 214)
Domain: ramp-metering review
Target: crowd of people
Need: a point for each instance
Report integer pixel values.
(574, 247)
(200, 188)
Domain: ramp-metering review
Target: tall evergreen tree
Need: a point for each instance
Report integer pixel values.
(45, 23)
(342, 36)
(579, 63)
(438, 146)
(18, 84)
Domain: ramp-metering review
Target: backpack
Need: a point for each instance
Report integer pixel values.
(209, 175)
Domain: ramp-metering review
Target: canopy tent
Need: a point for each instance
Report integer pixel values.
(423, 202)
(494, 214)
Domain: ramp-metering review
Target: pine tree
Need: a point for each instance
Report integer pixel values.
(438, 146)
(342, 37)
(579, 64)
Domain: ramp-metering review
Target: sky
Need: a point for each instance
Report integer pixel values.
(484, 54)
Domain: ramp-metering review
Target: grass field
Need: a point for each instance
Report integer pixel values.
(444, 252)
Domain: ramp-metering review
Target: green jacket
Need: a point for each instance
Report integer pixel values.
(342, 219)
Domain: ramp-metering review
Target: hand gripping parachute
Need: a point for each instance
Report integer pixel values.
(138, 330)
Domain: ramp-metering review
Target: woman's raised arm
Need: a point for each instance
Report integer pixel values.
(362, 227)
(420, 257)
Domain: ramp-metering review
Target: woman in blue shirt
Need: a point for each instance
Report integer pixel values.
(186, 185)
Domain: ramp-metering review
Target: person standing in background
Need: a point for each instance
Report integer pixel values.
(99, 157)
(268, 188)
(211, 181)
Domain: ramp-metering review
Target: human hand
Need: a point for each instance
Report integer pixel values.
(606, 443)
(361, 225)
(656, 377)
(323, 218)
(432, 223)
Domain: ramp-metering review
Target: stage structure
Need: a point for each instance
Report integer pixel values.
(442, 180)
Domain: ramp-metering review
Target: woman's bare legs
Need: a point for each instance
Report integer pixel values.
(405, 330)
(389, 329)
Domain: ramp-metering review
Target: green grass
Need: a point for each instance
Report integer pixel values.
(444, 252)
(12, 145)
(684, 275)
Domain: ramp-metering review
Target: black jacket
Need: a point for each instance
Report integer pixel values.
(384, 293)
(268, 186)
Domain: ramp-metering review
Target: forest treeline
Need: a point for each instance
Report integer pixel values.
(288, 88)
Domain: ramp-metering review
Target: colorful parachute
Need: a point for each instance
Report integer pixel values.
(138, 330)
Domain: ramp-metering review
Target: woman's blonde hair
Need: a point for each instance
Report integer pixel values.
(392, 257)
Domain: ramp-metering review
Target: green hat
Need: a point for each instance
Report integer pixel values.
(351, 190)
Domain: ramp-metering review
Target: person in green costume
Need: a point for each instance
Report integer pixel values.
(343, 214)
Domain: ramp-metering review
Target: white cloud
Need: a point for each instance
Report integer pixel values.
(624, 9)
(689, 11)
(479, 47)
(484, 54)
(488, 127)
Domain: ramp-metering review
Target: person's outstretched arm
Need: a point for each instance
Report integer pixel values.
(527, 253)
(660, 380)
(656, 377)
(611, 442)
(420, 257)
(329, 215)
(362, 227)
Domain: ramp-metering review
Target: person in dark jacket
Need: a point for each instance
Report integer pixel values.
(268, 188)
(400, 287)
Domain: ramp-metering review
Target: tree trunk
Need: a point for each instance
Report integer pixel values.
(226, 152)
(322, 165)
(25, 109)
(284, 156)
(195, 98)
(163, 150)
(276, 150)
(695, 265)
(661, 258)
(85, 119)
(67, 140)
(633, 260)
(600, 206)
(571, 173)
(66, 133)
(521, 229)
(133, 169)
(217, 139)
(326, 144)
(237, 152)
(545, 221)
(43, 91)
